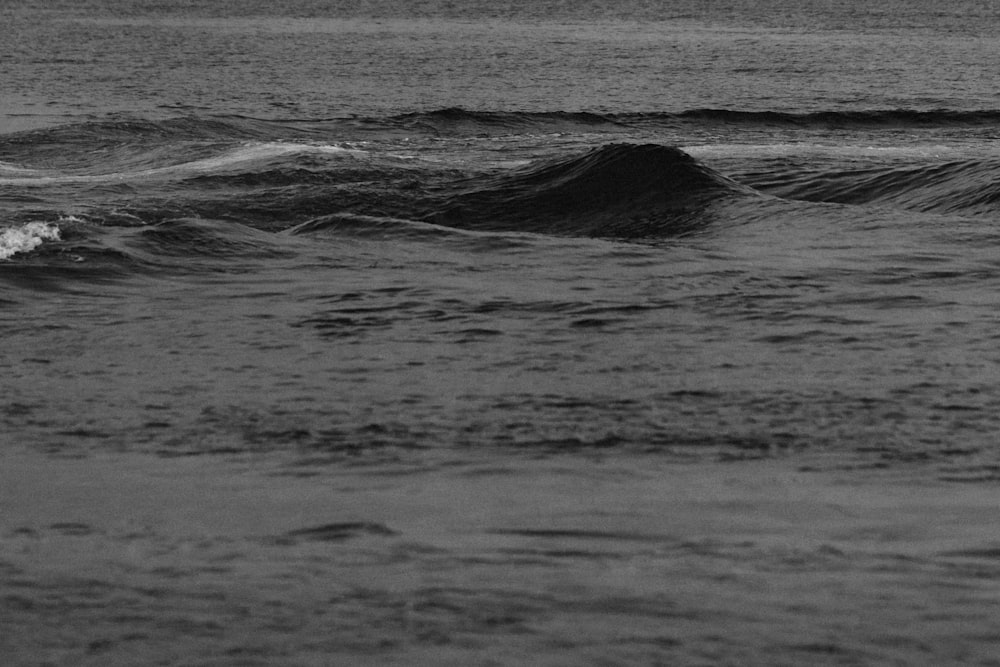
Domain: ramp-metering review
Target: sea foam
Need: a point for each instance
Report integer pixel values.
(26, 238)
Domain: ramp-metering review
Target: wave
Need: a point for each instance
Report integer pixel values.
(221, 221)
(198, 237)
(624, 191)
(208, 175)
(868, 118)
(968, 187)
(627, 191)
(458, 121)
(205, 127)
(51, 144)
(60, 254)
(133, 144)
(370, 226)
(455, 119)
(616, 190)
(79, 256)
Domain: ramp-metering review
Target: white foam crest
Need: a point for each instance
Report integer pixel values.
(11, 175)
(26, 238)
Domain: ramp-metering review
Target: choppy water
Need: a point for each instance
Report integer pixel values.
(409, 237)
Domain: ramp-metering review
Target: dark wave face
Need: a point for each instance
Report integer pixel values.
(617, 190)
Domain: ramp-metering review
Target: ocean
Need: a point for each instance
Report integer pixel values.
(455, 332)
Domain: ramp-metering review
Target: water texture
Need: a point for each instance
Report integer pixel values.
(654, 333)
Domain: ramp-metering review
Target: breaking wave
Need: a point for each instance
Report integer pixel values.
(25, 238)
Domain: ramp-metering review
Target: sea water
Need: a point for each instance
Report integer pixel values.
(383, 241)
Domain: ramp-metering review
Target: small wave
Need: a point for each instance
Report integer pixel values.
(454, 118)
(875, 117)
(465, 121)
(817, 151)
(131, 145)
(353, 224)
(870, 117)
(380, 227)
(26, 238)
(191, 128)
(969, 187)
(196, 237)
(617, 190)
(53, 143)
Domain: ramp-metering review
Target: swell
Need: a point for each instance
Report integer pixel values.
(263, 175)
(968, 187)
(625, 191)
(232, 223)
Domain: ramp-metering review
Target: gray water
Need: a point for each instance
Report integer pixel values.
(494, 333)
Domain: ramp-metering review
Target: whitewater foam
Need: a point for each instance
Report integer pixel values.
(26, 238)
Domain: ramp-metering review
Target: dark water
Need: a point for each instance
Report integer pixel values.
(325, 237)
